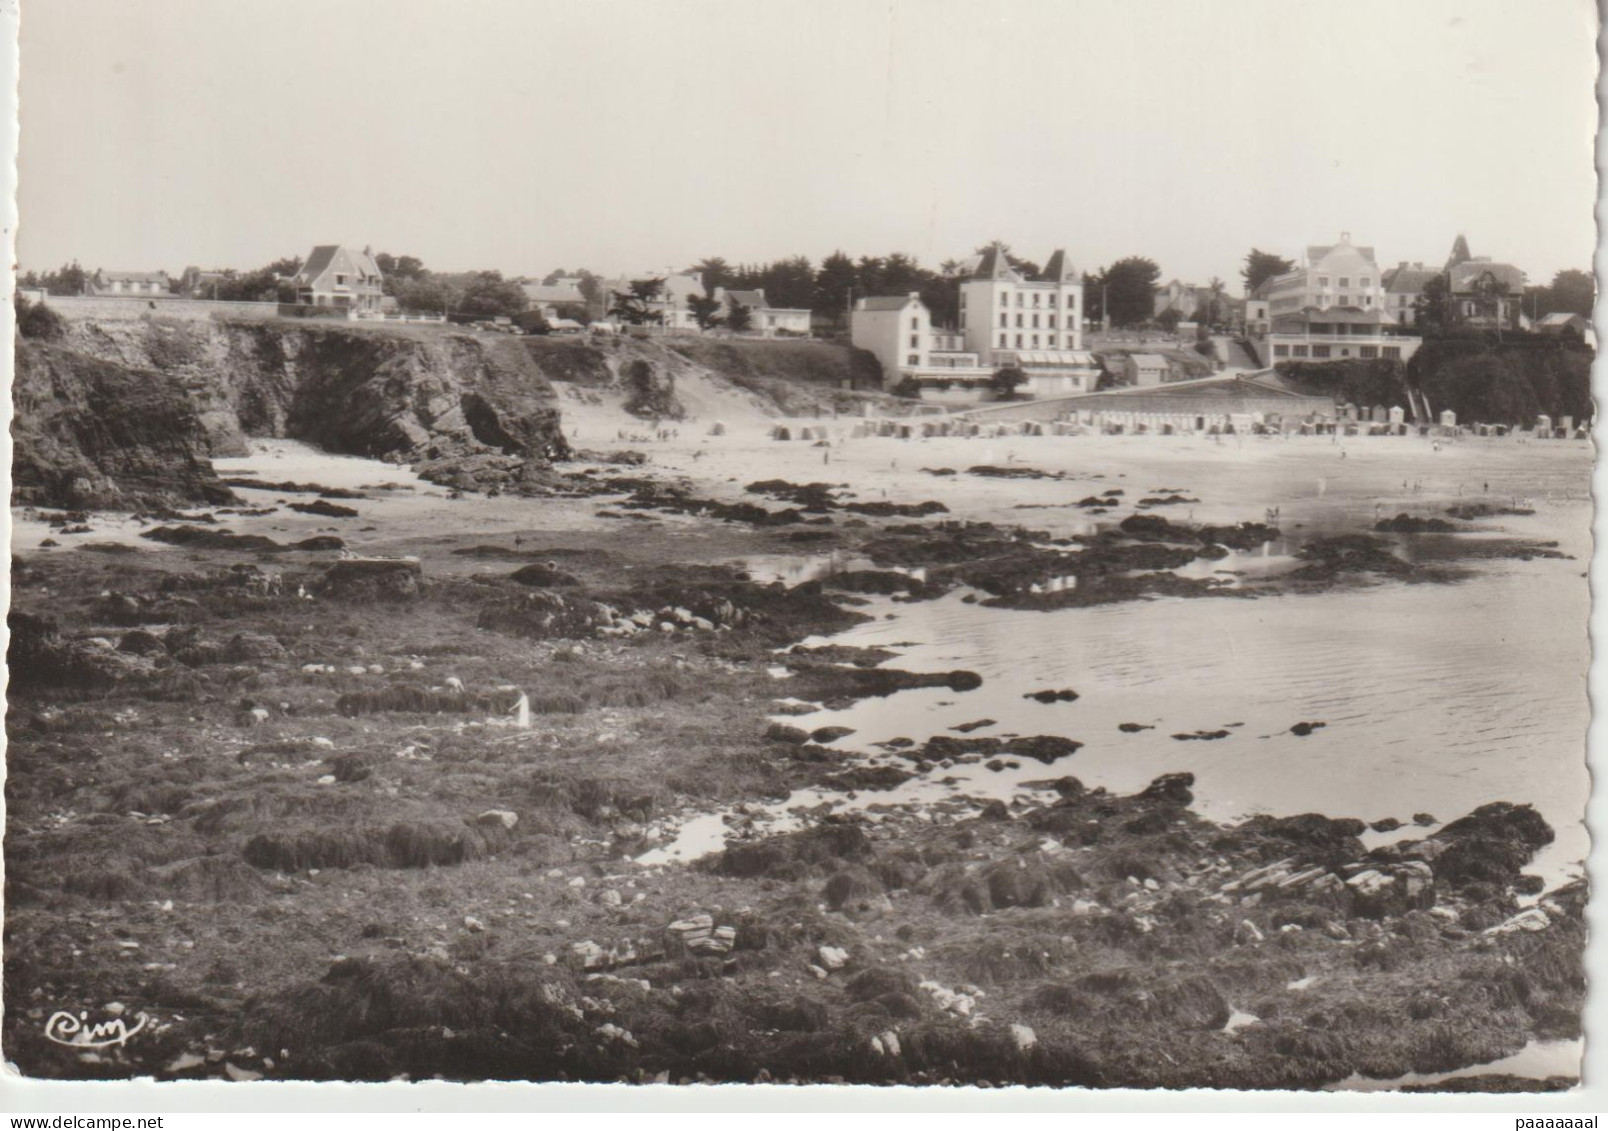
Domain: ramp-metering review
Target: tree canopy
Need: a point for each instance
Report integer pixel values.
(489, 295)
(1261, 266)
(705, 310)
(1128, 289)
(739, 317)
(1570, 292)
(633, 305)
(68, 279)
(1006, 381)
(1432, 309)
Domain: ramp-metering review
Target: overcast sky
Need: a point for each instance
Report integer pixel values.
(622, 136)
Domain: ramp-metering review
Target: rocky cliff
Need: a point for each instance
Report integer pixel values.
(92, 433)
(185, 391)
(470, 409)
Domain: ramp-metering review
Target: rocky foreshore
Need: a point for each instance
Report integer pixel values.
(306, 855)
(317, 816)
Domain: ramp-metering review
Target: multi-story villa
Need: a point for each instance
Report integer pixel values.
(1337, 274)
(1486, 293)
(1333, 307)
(1007, 320)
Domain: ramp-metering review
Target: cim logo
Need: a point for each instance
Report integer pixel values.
(76, 1032)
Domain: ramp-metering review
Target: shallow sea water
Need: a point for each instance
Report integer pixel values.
(1435, 698)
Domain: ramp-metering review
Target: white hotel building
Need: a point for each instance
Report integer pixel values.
(1332, 308)
(1006, 319)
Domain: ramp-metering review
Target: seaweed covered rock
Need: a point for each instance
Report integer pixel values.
(546, 576)
(1173, 789)
(1489, 845)
(545, 615)
(245, 647)
(855, 888)
(203, 538)
(1410, 524)
(1328, 558)
(372, 579)
(39, 656)
(1313, 835)
(791, 856)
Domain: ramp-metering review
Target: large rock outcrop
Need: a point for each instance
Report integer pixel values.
(467, 409)
(92, 433)
(414, 392)
(185, 391)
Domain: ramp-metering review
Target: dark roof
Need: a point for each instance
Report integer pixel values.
(1407, 280)
(320, 259)
(1563, 318)
(1059, 269)
(133, 276)
(540, 292)
(1316, 252)
(1464, 275)
(752, 299)
(324, 255)
(994, 264)
(887, 302)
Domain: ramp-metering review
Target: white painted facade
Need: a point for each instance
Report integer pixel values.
(1002, 311)
(1006, 320)
(1333, 275)
(898, 331)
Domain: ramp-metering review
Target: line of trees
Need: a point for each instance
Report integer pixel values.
(269, 283)
(68, 279)
(829, 290)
